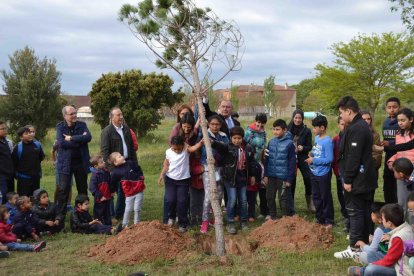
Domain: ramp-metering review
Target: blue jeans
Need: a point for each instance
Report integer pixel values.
(372, 269)
(234, 193)
(19, 246)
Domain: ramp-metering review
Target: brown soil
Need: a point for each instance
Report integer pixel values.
(146, 241)
(292, 234)
(153, 240)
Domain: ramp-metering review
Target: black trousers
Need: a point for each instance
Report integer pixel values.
(102, 212)
(26, 187)
(251, 204)
(390, 185)
(306, 175)
(264, 211)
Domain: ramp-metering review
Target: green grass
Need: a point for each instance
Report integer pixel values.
(66, 252)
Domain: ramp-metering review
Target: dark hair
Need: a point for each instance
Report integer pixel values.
(3, 212)
(237, 130)
(261, 117)
(410, 196)
(215, 117)
(20, 200)
(376, 207)
(2, 123)
(394, 213)
(403, 165)
(348, 102)
(188, 119)
(10, 195)
(81, 199)
(177, 140)
(320, 121)
(409, 114)
(181, 108)
(280, 123)
(37, 194)
(393, 99)
(95, 160)
(22, 130)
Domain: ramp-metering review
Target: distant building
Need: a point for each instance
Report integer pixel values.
(83, 105)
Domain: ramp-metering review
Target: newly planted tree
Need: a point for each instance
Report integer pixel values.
(189, 40)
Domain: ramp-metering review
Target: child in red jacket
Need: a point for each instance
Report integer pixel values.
(9, 239)
(196, 189)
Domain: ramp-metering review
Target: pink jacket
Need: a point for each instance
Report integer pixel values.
(399, 139)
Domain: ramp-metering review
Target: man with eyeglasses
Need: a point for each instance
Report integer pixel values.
(72, 137)
(6, 167)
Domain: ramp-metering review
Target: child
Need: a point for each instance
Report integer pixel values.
(196, 189)
(255, 134)
(129, 175)
(11, 205)
(336, 141)
(177, 178)
(6, 168)
(27, 156)
(279, 167)
(25, 222)
(406, 133)
(389, 129)
(372, 252)
(238, 172)
(50, 220)
(391, 264)
(251, 191)
(10, 240)
(82, 222)
(319, 163)
(101, 190)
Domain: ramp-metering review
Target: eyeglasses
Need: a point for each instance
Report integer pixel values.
(4, 128)
(71, 114)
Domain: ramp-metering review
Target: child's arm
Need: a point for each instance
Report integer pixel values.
(194, 148)
(93, 187)
(394, 253)
(165, 167)
(220, 146)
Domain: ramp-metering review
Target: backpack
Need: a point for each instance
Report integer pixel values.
(19, 156)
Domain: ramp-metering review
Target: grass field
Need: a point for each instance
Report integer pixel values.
(66, 252)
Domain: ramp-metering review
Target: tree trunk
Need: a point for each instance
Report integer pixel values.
(215, 204)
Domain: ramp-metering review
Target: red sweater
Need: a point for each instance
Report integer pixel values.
(196, 173)
(6, 234)
(394, 253)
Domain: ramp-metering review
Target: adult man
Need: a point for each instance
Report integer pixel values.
(358, 173)
(6, 167)
(116, 137)
(73, 137)
(225, 111)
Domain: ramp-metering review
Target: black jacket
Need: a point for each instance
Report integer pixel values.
(79, 222)
(224, 128)
(231, 155)
(111, 142)
(356, 165)
(6, 167)
(28, 163)
(50, 212)
(303, 138)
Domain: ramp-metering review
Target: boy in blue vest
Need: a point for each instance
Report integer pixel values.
(319, 162)
(27, 156)
(279, 169)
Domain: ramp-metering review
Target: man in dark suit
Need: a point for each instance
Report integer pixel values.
(224, 111)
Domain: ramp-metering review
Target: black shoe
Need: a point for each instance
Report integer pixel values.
(39, 246)
(118, 228)
(231, 228)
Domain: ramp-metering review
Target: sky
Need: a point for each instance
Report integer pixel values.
(284, 38)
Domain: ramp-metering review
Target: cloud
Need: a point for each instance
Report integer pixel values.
(282, 38)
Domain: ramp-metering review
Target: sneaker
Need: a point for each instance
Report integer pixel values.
(182, 229)
(252, 220)
(346, 254)
(267, 217)
(328, 227)
(204, 227)
(260, 217)
(4, 254)
(231, 228)
(355, 271)
(170, 222)
(118, 228)
(39, 246)
(244, 226)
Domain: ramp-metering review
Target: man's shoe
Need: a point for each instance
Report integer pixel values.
(204, 227)
(4, 254)
(118, 228)
(39, 246)
(231, 228)
(182, 229)
(346, 254)
(170, 222)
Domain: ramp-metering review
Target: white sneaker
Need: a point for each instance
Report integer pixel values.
(170, 222)
(267, 217)
(260, 217)
(346, 254)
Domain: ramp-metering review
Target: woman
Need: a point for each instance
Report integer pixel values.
(180, 113)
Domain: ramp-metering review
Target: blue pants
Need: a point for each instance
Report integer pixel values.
(372, 269)
(176, 193)
(236, 193)
(322, 198)
(16, 246)
(120, 203)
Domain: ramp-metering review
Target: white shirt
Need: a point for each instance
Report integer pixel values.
(179, 164)
(124, 146)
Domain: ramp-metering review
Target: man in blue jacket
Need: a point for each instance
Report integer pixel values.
(73, 137)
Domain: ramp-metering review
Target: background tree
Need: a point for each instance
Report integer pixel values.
(189, 40)
(303, 90)
(269, 95)
(407, 12)
(370, 68)
(140, 96)
(234, 97)
(32, 86)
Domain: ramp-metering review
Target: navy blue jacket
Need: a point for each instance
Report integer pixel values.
(79, 141)
(280, 162)
(28, 218)
(389, 130)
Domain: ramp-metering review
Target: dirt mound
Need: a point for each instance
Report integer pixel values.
(146, 241)
(292, 234)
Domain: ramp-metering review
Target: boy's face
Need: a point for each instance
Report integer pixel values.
(84, 206)
(237, 140)
(278, 131)
(3, 130)
(44, 199)
(392, 109)
(385, 223)
(399, 175)
(376, 218)
(26, 205)
(100, 165)
(26, 137)
(345, 114)
(119, 160)
(318, 130)
(177, 148)
(32, 131)
(341, 125)
(259, 125)
(12, 200)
